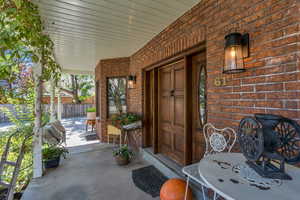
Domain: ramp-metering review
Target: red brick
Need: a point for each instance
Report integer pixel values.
(271, 83)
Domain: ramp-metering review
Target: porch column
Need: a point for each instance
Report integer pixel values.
(37, 138)
(52, 101)
(59, 105)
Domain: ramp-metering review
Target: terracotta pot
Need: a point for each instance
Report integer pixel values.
(91, 115)
(121, 160)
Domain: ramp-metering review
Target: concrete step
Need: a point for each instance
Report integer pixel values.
(170, 169)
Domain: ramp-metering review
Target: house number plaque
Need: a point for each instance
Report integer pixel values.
(220, 81)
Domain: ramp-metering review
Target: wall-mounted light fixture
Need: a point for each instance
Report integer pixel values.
(236, 49)
(131, 81)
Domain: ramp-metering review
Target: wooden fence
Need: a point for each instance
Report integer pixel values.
(68, 110)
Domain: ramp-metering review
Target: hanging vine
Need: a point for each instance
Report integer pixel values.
(22, 37)
(23, 40)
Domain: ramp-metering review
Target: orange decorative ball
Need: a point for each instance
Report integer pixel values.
(174, 189)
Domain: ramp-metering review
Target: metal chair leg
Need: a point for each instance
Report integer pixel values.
(186, 187)
(203, 192)
(215, 195)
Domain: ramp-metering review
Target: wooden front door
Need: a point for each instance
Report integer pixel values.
(171, 100)
(199, 114)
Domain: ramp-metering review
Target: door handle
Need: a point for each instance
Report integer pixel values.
(172, 93)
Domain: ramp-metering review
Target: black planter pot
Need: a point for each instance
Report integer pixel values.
(52, 163)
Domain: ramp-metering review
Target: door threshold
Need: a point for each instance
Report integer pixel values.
(173, 168)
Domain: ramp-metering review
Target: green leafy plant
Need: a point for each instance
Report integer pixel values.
(124, 152)
(91, 110)
(26, 169)
(125, 119)
(52, 152)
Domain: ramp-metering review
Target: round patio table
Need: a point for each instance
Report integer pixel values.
(229, 176)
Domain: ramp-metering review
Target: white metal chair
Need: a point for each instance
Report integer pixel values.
(114, 132)
(216, 140)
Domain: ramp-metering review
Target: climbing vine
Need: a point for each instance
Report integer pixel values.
(23, 40)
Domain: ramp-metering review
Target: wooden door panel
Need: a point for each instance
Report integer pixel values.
(179, 111)
(165, 110)
(179, 78)
(171, 111)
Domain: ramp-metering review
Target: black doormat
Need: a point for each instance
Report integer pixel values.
(149, 179)
(91, 137)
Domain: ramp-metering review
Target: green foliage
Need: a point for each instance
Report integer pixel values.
(125, 119)
(23, 38)
(52, 152)
(22, 41)
(26, 169)
(81, 85)
(91, 110)
(124, 152)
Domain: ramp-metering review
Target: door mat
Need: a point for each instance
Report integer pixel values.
(91, 137)
(149, 179)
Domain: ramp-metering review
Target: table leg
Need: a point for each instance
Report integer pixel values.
(186, 187)
(126, 139)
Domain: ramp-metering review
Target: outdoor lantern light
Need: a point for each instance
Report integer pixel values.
(131, 81)
(236, 49)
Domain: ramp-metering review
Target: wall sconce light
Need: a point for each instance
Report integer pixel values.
(236, 49)
(131, 81)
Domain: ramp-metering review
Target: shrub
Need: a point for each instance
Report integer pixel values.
(124, 152)
(125, 119)
(91, 109)
(52, 152)
(26, 169)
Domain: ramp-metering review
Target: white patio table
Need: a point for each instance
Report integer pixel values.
(229, 176)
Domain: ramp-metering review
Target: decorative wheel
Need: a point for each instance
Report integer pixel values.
(288, 133)
(250, 137)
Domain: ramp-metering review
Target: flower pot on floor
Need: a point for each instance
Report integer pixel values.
(120, 160)
(54, 163)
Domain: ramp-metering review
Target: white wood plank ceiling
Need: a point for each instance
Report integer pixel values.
(85, 31)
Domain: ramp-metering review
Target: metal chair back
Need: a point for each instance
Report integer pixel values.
(218, 140)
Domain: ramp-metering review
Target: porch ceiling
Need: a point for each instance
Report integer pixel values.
(85, 31)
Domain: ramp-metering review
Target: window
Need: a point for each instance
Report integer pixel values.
(202, 95)
(116, 90)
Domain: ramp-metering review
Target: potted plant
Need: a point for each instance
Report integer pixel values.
(91, 113)
(52, 154)
(125, 119)
(123, 155)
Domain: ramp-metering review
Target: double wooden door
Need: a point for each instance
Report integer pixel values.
(175, 109)
(171, 111)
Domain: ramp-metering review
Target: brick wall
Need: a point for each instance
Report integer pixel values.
(107, 68)
(271, 83)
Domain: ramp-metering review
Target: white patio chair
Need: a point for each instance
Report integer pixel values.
(216, 140)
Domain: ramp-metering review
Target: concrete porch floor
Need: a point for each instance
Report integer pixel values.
(88, 175)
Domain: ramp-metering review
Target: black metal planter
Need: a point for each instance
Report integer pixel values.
(54, 163)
